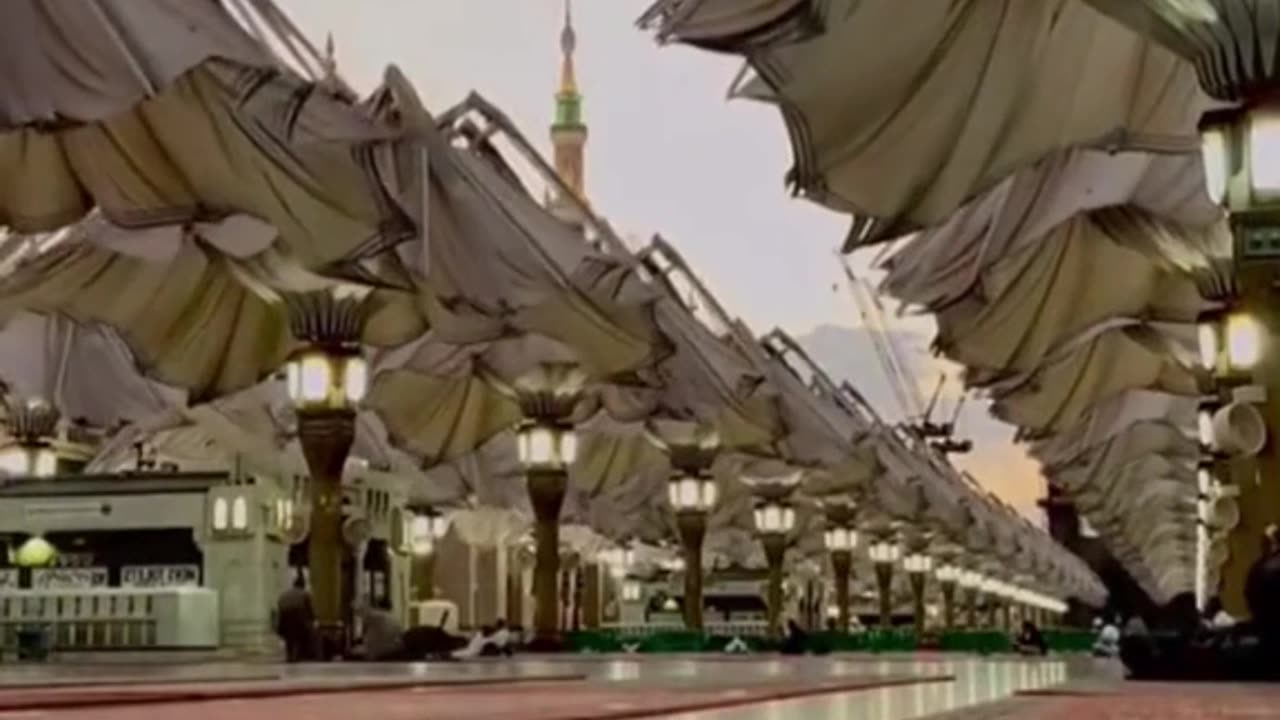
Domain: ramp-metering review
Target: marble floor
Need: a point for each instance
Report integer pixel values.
(977, 683)
(548, 688)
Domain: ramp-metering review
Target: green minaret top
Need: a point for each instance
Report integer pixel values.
(568, 99)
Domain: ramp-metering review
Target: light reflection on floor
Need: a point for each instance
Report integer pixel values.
(977, 682)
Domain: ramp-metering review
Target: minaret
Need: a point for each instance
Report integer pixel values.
(569, 132)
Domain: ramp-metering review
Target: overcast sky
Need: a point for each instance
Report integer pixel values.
(667, 153)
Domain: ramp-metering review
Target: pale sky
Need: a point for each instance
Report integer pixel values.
(667, 153)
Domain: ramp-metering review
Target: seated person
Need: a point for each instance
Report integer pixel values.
(383, 634)
(1030, 641)
(1108, 642)
(1262, 590)
(499, 641)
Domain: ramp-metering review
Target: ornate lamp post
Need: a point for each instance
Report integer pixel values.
(327, 379)
(884, 554)
(547, 446)
(948, 577)
(691, 449)
(841, 540)
(426, 527)
(774, 519)
(546, 451)
(918, 565)
(31, 423)
(692, 496)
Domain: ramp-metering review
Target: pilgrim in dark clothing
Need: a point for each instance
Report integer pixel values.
(1030, 641)
(296, 623)
(795, 641)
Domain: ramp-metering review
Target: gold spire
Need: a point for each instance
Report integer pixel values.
(568, 42)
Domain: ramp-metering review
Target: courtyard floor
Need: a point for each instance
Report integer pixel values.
(613, 687)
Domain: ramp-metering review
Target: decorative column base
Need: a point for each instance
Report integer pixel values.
(775, 548)
(842, 565)
(424, 572)
(326, 438)
(917, 604)
(884, 581)
(948, 606)
(692, 526)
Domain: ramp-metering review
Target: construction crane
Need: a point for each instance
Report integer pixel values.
(948, 444)
(917, 414)
(896, 372)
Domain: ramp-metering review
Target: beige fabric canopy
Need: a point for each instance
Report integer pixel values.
(84, 62)
(1064, 278)
(223, 138)
(1002, 84)
(1224, 39)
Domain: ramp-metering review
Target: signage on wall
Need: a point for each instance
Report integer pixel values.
(67, 510)
(68, 578)
(156, 576)
(73, 560)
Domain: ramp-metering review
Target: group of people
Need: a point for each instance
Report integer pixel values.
(1188, 645)
(385, 639)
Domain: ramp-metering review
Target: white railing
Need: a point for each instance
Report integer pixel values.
(113, 618)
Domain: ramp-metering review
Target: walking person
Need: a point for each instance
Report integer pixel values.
(296, 622)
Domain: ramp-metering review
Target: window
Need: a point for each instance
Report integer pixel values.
(240, 514)
(220, 514)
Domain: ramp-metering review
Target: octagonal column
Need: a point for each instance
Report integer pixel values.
(775, 548)
(546, 495)
(971, 582)
(948, 576)
(692, 526)
(918, 565)
(842, 568)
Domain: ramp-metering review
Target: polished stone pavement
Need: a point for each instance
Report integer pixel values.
(559, 688)
(977, 684)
